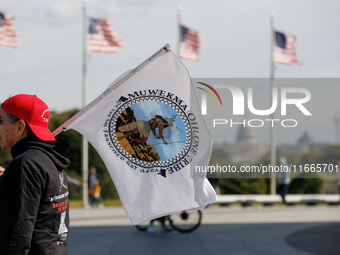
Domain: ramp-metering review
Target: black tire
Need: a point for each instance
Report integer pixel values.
(186, 221)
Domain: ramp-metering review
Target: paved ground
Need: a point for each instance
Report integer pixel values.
(225, 230)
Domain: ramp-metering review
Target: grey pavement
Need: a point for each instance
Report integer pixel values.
(294, 230)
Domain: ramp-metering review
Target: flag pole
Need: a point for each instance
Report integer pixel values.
(110, 89)
(179, 21)
(85, 144)
(272, 130)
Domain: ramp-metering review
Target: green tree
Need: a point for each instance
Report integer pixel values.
(5, 158)
(306, 186)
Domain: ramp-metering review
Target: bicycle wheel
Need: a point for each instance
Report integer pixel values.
(186, 221)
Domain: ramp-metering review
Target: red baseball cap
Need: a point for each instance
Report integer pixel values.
(32, 110)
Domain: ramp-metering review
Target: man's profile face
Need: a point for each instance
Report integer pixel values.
(7, 131)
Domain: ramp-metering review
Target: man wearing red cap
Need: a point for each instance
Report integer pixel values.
(34, 215)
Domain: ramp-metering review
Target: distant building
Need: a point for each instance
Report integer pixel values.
(303, 145)
(246, 135)
(246, 150)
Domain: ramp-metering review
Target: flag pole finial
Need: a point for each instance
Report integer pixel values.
(167, 47)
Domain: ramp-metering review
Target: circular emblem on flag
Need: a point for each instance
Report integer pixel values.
(151, 132)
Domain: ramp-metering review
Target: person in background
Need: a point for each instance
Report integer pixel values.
(283, 179)
(95, 188)
(93, 176)
(95, 194)
(34, 213)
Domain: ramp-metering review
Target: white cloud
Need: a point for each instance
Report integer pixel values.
(150, 109)
(59, 13)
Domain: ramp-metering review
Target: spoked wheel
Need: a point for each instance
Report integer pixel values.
(186, 221)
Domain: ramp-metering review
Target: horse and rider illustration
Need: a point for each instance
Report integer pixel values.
(150, 131)
(143, 128)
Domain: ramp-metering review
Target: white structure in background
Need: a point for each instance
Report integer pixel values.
(303, 145)
(246, 150)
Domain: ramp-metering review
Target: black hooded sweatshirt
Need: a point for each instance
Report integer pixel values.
(34, 213)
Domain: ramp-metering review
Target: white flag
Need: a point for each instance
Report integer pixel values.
(149, 132)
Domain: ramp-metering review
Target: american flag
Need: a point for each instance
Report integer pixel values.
(189, 44)
(102, 37)
(7, 31)
(284, 49)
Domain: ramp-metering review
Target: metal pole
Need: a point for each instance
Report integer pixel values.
(272, 130)
(85, 144)
(336, 120)
(179, 21)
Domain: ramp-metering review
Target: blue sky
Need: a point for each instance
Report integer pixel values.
(235, 42)
(173, 135)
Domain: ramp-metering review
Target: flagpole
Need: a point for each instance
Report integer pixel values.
(179, 21)
(85, 144)
(110, 89)
(272, 130)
